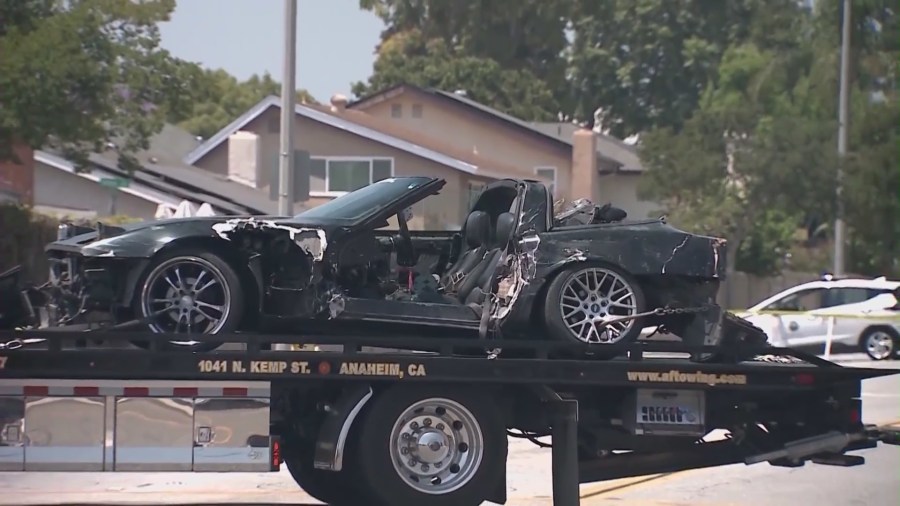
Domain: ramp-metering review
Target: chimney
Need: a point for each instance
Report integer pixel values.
(338, 102)
(17, 176)
(585, 179)
(245, 159)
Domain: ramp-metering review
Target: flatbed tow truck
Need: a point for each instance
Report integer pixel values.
(365, 422)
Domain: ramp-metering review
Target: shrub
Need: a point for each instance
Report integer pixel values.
(25, 233)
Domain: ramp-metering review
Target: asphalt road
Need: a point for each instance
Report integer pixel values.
(876, 483)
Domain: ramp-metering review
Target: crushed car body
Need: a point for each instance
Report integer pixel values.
(588, 274)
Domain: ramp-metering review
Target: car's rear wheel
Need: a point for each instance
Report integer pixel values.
(190, 292)
(584, 296)
(880, 343)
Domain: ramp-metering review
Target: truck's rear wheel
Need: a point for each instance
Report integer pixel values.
(441, 446)
(335, 488)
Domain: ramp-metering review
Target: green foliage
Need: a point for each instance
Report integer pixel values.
(873, 193)
(524, 35)
(764, 250)
(79, 74)
(407, 57)
(220, 98)
(741, 166)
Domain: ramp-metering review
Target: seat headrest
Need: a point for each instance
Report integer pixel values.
(478, 229)
(506, 224)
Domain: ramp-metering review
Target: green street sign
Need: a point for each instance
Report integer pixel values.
(114, 182)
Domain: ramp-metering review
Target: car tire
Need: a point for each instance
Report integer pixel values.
(563, 285)
(880, 343)
(335, 488)
(459, 464)
(160, 279)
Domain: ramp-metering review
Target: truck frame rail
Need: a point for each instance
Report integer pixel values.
(100, 367)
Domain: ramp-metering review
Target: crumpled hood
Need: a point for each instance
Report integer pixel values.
(140, 239)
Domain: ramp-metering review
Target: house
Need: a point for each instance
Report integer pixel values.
(545, 149)
(163, 180)
(349, 149)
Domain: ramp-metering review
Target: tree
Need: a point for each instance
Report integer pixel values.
(526, 35)
(80, 74)
(408, 57)
(645, 63)
(220, 98)
(872, 193)
(750, 163)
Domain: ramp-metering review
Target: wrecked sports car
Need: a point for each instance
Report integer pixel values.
(513, 269)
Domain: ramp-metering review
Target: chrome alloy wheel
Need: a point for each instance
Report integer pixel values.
(190, 294)
(436, 446)
(880, 345)
(595, 295)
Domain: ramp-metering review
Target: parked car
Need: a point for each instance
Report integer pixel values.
(587, 275)
(865, 315)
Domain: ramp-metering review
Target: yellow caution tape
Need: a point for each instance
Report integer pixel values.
(880, 315)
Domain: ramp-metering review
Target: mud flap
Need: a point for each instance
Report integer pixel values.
(335, 429)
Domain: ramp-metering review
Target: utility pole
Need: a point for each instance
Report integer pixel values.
(288, 100)
(843, 105)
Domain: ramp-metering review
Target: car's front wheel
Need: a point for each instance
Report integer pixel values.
(582, 297)
(190, 292)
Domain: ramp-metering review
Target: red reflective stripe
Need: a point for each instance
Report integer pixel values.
(86, 391)
(185, 392)
(136, 391)
(234, 391)
(35, 390)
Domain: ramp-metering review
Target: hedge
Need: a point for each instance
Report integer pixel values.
(25, 233)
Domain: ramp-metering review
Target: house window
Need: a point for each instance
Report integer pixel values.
(549, 174)
(346, 174)
(417, 110)
(396, 110)
(473, 191)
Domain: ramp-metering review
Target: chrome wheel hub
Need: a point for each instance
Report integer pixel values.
(594, 296)
(436, 446)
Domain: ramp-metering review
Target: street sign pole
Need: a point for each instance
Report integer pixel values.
(114, 184)
(288, 100)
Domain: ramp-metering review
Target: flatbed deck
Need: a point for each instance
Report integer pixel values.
(646, 363)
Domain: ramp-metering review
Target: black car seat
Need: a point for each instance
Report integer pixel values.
(477, 238)
(479, 280)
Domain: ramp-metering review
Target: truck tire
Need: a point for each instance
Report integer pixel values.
(435, 445)
(336, 488)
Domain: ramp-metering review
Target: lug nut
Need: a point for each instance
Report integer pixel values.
(412, 462)
(454, 468)
(457, 425)
(440, 426)
(414, 425)
(404, 451)
(427, 422)
(425, 467)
